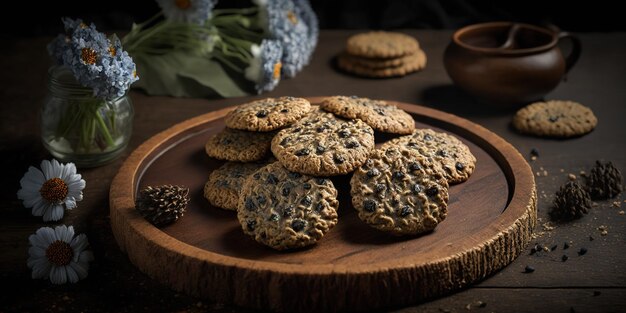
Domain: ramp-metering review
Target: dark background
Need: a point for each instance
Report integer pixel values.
(43, 18)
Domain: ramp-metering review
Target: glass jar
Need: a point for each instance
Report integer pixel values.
(78, 127)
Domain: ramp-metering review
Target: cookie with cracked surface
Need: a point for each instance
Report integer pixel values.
(555, 118)
(224, 184)
(380, 44)
(378, 114)
(267, 114)
(447, 152)
(398, 191)
(374, 63)
(412, 63)
(286, 210)
(323, 145)
(239, 145)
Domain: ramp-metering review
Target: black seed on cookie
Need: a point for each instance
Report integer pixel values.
(256, 175)
(394, 202)
(442, 153)
(320, 149)
(319, 206)
(249, 204)
(459, 166)
(284, 110)
(286, 190)
(261, 113)
(380, 187)
(411, 144)
(428, 137)
(320, 181)
(344, 133)
(298, 224)
(380, 111)
(274, 217)
(272, 179)
(288, 211)
(321, 129)
(416, 188)
(285, 141)
(226, 141)
(294, 175)
(553, 119)
(308, 123)
(406, 210)
(373, 172)
(303, 152)
(414, 166)
(296, 130)
(306, 201)
(369, 205)
(339, 159)
(432, 191)
(398, 175)
(251, 225)
(261, 199)
(222, 183)
(306, 186)
(352, 144)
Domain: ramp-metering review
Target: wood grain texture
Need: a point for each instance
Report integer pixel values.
(206, 255)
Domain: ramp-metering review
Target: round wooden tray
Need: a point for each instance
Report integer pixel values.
(354, 267)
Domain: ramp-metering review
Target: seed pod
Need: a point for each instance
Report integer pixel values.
(570, 202)
(162, 205)
(604, 181)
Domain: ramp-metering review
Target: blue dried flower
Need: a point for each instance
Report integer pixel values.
(187, 11)
(266, 65)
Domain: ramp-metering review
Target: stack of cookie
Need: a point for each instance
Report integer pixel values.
(290, 201)
(381, 54)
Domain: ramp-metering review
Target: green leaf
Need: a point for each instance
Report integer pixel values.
(184, 75)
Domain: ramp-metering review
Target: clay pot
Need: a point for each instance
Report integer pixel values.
(508, 64)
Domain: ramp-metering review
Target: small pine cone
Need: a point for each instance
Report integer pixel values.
(162, 205)
(604, 181)
(571, 202)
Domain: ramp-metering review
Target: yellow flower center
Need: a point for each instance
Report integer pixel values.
(277, 67)
(59, 253)
(54, 190)
(112, 51)
(182, 4)
(82, 25)
(292, 17)
(89, 56)
(134, 73)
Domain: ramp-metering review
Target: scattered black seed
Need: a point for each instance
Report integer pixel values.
(591, 238)
(369, 205)
(306, 201)
(414, 166)
(432, 191)
(596, 293)
(352, 144)
(553, 247)
(411, 144)
(533, 250)
(406, 210)
(442, 153)
(534, 152)
(296, 130)
(417, 188)
(582, 251)
(339, 159)
(285, 141)
(553, 119)
(482, 304)
(286, 190)
(251, 225)
(256, 175)
(261, 113)
(529, 269)
(226, 141)
(372, 173)
(306, 186)
(380, 111)
(261, 199)
(398, 175)
(272, 179)
(428, 137)
(249, 205)
(538, 247)
(320, 129)
(380, 187)
(274, 217)
(320, 149)
(288, 211)
(307, 123)
(298, 224)
(344, 133)
(564, 258)
(571, 310)
(294, 175)
(320, 181)
(394, 202)
(459, 166)
(284, 110)
(565, 246)
(319, 206)
(303, 152)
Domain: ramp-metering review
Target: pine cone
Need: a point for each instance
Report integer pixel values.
(162, 205)
(604, 181)
(571, 202)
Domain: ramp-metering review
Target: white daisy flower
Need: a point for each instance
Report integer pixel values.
(187, 11)
(51, 189)
(58, 255)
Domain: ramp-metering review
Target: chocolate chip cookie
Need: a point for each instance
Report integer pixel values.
(447, 152)
(222, 188)
(267, 114)
(379, 44)
(555, 118)
(323, 145)
(285, 210)
(398, 191)
(378, 114)
(239, 145)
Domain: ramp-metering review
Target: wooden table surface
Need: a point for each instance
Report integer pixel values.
(594, 282)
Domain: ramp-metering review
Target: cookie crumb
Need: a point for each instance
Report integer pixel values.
(545, 173)
(571, 176)
(533, 158)
(548, 226)
(582, 173)
(616, 204)
(621, 212)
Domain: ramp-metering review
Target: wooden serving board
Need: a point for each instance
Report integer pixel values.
(354, 267)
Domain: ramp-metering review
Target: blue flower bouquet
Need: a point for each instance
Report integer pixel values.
(191, 49)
